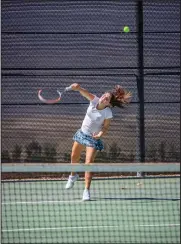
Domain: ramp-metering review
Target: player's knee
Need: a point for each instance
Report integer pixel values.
(74, 156)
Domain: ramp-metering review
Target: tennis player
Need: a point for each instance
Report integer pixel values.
(95, 125)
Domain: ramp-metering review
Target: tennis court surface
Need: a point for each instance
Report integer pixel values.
(124, 208)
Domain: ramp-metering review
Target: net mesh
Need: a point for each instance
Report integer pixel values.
(123, 208)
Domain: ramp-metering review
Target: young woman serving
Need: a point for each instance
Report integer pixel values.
(95, 125)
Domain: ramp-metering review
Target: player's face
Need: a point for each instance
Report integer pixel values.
(105, 99)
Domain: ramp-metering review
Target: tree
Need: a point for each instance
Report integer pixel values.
(67, 157)
(131, 157)
(173, 154)
(102, 156)
(50, 153)
(16, 153)
(5, 157)
(152, 153)
(33, 151)
(114, 152)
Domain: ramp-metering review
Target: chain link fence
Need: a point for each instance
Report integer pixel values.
(56, 43)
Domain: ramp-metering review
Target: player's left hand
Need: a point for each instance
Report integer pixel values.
(97, 136)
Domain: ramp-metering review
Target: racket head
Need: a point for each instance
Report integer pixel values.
(42, 95)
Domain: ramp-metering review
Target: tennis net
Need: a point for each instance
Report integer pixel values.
(123, 208)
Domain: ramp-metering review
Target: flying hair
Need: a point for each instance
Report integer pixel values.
(120, 97)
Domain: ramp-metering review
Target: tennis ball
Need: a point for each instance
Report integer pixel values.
(126, 29)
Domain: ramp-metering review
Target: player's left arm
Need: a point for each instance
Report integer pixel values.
(104, 129)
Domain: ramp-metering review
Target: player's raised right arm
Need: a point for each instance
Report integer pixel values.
(83, 92)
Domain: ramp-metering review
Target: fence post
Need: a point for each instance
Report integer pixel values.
(140, 81)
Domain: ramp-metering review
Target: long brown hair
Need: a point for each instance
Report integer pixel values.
(120, 97)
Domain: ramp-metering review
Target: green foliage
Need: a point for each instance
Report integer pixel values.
(5, 157)
(50, 154)
(173, 154)
(162, 153)
(33, 151)
(16, 153)
(114, 152)
(102, 157)
(131, 157)
(152, 153)
(67, 157)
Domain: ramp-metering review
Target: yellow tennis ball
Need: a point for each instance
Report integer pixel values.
(126, 29)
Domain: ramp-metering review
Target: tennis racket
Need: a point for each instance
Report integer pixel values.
(51, 96)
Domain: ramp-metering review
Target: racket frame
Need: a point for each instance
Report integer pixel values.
(53, 101)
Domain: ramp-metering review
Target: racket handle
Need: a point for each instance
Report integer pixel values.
(69, 88)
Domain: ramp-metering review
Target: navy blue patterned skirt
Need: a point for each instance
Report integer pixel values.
(88, 141)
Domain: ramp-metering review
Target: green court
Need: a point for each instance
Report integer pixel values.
(120, 211)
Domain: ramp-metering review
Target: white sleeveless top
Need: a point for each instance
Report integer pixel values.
(94, 118)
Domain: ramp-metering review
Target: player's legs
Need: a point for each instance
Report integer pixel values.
(90, 157)
(76, 153)
(75, 157)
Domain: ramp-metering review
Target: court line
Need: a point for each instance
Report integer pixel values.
(41, 202)
(91, 227)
